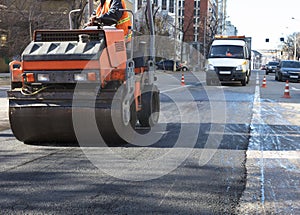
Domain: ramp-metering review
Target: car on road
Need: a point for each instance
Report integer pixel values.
(288, 70)
(271, 67)
(169, 65)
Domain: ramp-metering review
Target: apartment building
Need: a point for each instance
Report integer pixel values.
(197, 20)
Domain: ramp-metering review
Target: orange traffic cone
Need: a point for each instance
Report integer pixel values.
(182, 80)
(264, 83)
(286, 90)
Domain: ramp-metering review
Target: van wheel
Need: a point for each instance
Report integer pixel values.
(244, 82)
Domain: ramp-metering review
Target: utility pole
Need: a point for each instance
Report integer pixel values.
(295, 46)
(224, 14)
(221, 15)
(295, 42)
(175, 35)
(91, 7)
(204, 37)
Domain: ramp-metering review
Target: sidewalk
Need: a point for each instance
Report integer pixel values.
(4, 84)
(4, 121)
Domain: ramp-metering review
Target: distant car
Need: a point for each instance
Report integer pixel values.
(169, 65)
(183, 67)
(288, 70)
(271, 67)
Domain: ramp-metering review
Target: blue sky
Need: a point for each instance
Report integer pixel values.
(262, 19)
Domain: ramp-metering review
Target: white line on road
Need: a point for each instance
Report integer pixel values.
(257, 120)
(294, 88)
(172, 89)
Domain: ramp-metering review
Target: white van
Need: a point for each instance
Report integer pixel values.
(229, 59)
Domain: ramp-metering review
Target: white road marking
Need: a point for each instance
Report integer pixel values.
(257, 120)
(173, 89)
(294, 88)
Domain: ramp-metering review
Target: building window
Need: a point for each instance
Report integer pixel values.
(180, 3)
(181, 21)
(196, 38)
(164, 5)
(140, 2)
(171, 6)
(182, 12)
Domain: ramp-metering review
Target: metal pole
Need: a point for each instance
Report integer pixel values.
(295, 46)
(175, 36)
(30, 25)
(70, 17)
(204, 39)
(224, 15)
(151, 65)
(91, 7)
(152, 30)
(295, 42)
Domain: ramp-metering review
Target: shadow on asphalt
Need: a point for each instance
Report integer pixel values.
(233, 137)
(233, 133)
(6, 135)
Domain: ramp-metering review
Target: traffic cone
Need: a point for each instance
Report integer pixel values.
(182, 80)
(264, 83)
(286, 90)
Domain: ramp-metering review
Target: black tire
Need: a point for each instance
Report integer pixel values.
(184, 69)
(150, 102)
(111, 125)
(280, 77)
(244, 82)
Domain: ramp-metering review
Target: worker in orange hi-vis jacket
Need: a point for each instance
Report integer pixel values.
(108, 12)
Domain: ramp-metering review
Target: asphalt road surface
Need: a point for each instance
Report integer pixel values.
(216, 150)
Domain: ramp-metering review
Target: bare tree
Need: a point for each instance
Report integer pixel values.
(22, 17)
(163, 45)
(212, 30)
(289, 45)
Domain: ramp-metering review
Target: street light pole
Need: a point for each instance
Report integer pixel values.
(295, 46)
(204, 37)
(295, 43)
(90, 7)
(175, 36)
